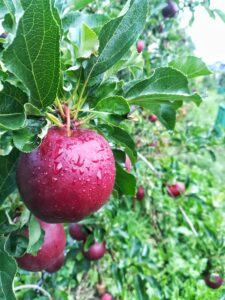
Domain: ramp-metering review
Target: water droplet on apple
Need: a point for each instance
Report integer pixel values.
(95, 160)
(60, 152)
(99, 175)
(57, 167)
(80, 161)
(81, 171)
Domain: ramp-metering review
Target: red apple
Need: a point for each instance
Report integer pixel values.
(56, 266)
(76, 232)
(140, 193)
(68, 177)
(128, 164)
(52, 247)
(176, 190)
(213, 281)
(95, 252)
(153, 118)
(107, 296)
(140, 46)
(170, 10)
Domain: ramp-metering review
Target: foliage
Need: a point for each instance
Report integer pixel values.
(81, 56)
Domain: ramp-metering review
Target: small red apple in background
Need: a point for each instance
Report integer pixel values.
(213, 281)
(176, 190)
(107, 296)
(76, 232)
(68, 177)
(170, 10)
(128, 164)
(153, 118)
(140, 193)
(153, 144)
(140, 46)
(95, 251)
(52, 247)
(56, 266)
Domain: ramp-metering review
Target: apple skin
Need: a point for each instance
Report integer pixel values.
(140, 193)
(170, 10)
(213, 281)
(107, 296)
(76, 232)
(52, 247)
(128, 164)
(176, 190)
(153, 118)
(95, 251)
(140, 46)
(68, 177)
(56, 266)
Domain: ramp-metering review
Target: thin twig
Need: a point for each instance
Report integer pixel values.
(151, 167)
(188, 220)
(33, 286)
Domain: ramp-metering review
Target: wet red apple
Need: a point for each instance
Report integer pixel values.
(213, 281)
(140, 193)
(170, 10)
(68, 177)
(107, 296)
(95, 251)
(52, 247)
(76, 232)
(153, 118)
(56, 266)
(140, 46)
(176, 190)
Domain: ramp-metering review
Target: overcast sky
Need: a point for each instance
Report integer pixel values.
(208, 34)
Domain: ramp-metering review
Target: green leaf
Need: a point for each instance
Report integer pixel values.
(89, 42)
(79, 4)
(12, 114)
(73, 21)
(140, 288)
(7, 174)
(6, 6)
(5, 143)
(16, 244)
(125, 182)
(27, 139)
(117, 36)
(130, 60)
(7, 272)
(36, 236)
(220, 13)
(120, 137)
(190, 66)
(5, 226)
(114, 105)
(31, 110)
(167, 116)
(34, 55)
(164, 86)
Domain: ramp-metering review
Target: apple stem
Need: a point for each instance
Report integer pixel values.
(68, 120)
(33, 286)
